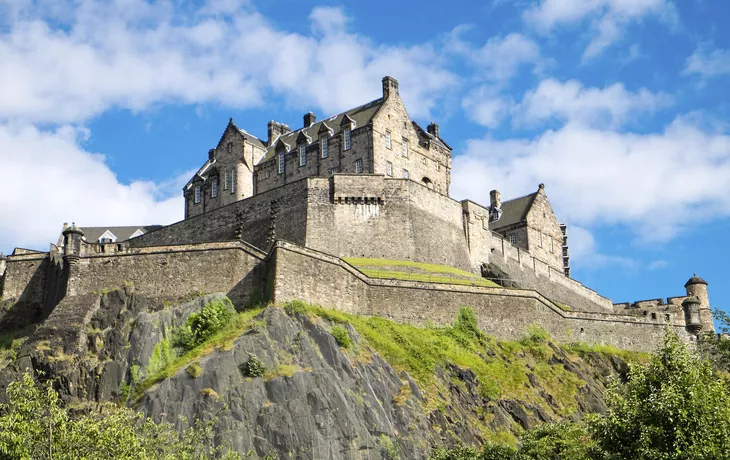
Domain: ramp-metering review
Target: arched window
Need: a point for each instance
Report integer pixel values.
(427, 182)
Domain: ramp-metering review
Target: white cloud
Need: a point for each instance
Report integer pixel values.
(571, 101)
(608, 18)
(584, 252)
(708, 62)
(49, 179)
(654, 183)
(134, 54)
(658, 264)
(486, 106)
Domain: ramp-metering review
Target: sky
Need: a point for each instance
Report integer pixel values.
(620, 107)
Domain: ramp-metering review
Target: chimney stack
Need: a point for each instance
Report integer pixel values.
(494, 199)
(275, 130)
(390, 86)
(433, 129)
(211, 154)
(309, 119)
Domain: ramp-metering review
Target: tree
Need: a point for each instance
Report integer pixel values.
(674, 407)
(34, 425)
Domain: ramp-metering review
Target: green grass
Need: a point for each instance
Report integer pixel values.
(582, 349)
(224, 340)
(416, 271)
(10, 342)
(501, 367)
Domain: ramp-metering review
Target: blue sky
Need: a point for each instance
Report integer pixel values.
(619, 106)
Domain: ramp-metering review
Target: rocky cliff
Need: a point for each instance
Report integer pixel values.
(329, 385)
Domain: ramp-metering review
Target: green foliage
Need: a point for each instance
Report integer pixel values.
(224, 339)
(194, 370)
(296, 306)
(416, 271)
(341, 336)
(390, 449)
(34, 425)
(536, 335)
(466, 321)
(489, 451)
(559, 441)
(254, 367)
(162, 355)
(203, 325)
(674, 407)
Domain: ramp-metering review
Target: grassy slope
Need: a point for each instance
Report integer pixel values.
(416, 271)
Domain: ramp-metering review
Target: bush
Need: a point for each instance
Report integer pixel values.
(296, 306)
(202, 325)
(194, 370)
(466, 321)
(536, 334)
(341, 336)
(253, 367)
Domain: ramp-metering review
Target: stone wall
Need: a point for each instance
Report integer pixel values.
(169, 272)
(25, 277)
(302, 273)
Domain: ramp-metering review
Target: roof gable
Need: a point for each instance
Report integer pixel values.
(514, 211)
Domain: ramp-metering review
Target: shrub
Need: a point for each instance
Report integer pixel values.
(536, 334)
(341, 336)
(466, 321)
(254, 367)
(296, 306)
(194, 370)
(202, 325)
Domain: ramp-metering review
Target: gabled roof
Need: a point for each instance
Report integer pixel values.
(360, 116)
(425, 134)
(514, 211)
(92, 234)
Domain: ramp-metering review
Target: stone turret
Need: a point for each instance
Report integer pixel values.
(691, 306)
(72, 237)
(697, 287)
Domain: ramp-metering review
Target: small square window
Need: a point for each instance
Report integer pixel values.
(347, 138)
(404, 148)
(282, 162)
(388, 143)
(405, 174)
(197, 194)
(325, 146)
(358, 166)
(302, 155)
(389, 169)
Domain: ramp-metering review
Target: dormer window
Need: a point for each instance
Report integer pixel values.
(324, 142)
(404, 148)
(282, 162)
(302, 155)
(214, 187)
(197, 194)
(347, 138)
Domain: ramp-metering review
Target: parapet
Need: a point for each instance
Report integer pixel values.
(358, 188)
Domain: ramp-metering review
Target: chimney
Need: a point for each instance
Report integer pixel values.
(390, 86)
(494, 199)
(276, 130)
(433, 129)
(309, 119)
(211, 154)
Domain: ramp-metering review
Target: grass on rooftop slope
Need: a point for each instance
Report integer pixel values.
(501, 367)
(416, 271)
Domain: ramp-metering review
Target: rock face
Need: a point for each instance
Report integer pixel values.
(316, 399)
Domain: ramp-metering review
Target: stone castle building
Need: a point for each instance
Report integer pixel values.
(279, 219)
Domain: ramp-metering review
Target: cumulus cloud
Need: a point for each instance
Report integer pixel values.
(708, 62)
(48, 179)
(133, 54)
(585, 253)
(653, 183)
(607, 18)
(501, 57)
(571, 101)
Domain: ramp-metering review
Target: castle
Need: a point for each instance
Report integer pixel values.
(307, 214)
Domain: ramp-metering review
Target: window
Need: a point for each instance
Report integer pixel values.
(438, 166)
(229, 147)
(512, 238)
(214, 187)
(358, 166)
(282, 160)
(233, 180)
(225, 180)
(302, 155)
(424, 161)
(388, 144)
(325, 147)
(197, 194)
(105, 240)
(389, 168)
(404, 148)
(334, 170)
(405, 174)
(551, 243)
(539, 239)
(347, 138)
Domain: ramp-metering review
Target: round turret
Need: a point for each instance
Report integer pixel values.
(692, 319)
(72, 237)
(697, 287)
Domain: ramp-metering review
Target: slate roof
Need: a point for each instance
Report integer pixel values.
(514, 211)
(92, 234)
(360, 115)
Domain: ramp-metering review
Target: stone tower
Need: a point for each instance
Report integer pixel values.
(697, 287)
